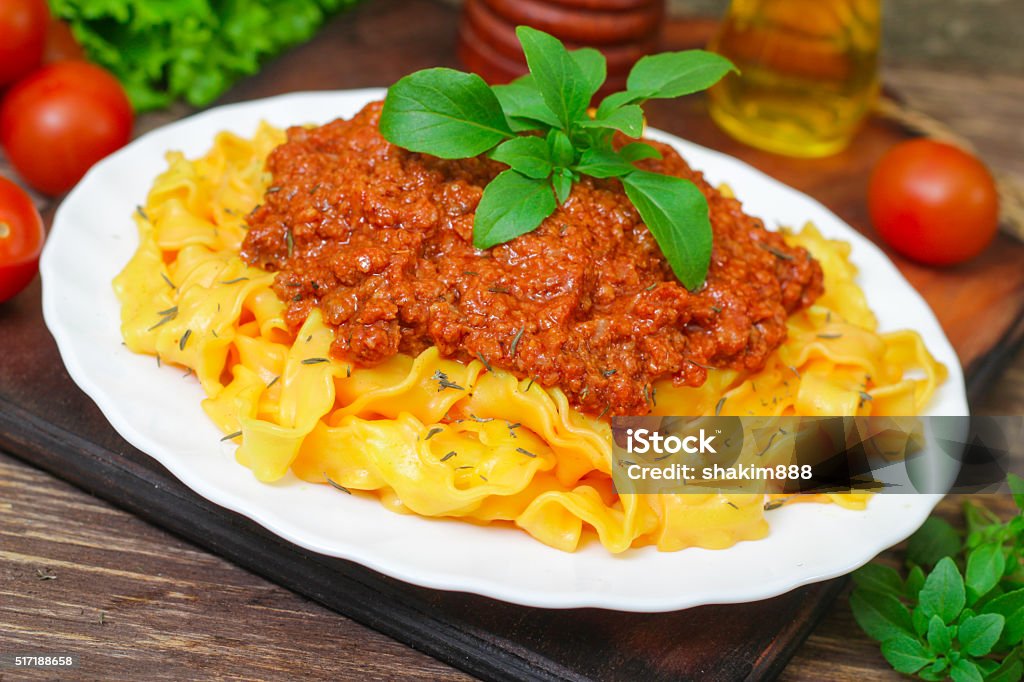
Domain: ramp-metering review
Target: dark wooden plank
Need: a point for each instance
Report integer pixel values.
(133, 602)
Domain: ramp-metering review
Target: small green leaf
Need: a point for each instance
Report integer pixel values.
(965, 671)
(914, 583)
(524, 106)
(977, 518)
(593, 66)
(562, 152)
(512, 205)
(561, 181)
(443, 112)
(919, 620)
(985, 566)
(602, 163)
(979, 634)
(527, 154)
(628, 119)
(906, 654)
(1011, 607)
(880, 615)
(1010, 670)
(557, 75)
(986, 665)
(674, 74)
(676, 213)
(934, 540)
(618, 99)
(939, 638)
(943, 592)
(878, 578)
(1016, 484)
(637, 151)
(936, 671)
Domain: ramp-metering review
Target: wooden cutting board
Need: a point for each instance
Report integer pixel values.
(47, 421)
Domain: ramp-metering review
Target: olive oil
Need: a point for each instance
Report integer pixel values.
(809, 73)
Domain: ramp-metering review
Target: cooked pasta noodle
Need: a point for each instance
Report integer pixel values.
(440, 438)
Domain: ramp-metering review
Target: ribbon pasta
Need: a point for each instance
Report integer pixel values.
(436, 437)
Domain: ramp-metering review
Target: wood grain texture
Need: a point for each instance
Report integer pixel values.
(186, 614)
(136, 603)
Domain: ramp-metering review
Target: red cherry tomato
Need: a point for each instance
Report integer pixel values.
(58, 122)
(23, 26)
(933, 203)
(21, 239)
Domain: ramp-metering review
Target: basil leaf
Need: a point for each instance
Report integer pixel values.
(934, 672)
(524, 106)
(562, 151)
(1011, 607)
(906, 654)
(1016, 484)
(1011, 670)
(528, 154)
(676, 213)
(561, 181)
(628, 119)
(556, 73)
(929, 676)
(882, 616)
(637, 151)
(943, 592)
(985, 566)
(674, 74)
(603, 163)
(878, 578)
(512, 205)
(978, 519)
(965, 671)
(619, 99)
(914, 583)
(919, 620)
(593, 66)
(979, 634)
(939, 638)
(932, 541)
(443, 112)
(987, 666)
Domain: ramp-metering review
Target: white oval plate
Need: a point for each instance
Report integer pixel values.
(158, 411)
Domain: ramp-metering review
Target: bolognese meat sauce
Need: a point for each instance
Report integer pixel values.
(381, 240)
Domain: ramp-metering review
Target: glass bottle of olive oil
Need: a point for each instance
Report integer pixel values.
(809, 73)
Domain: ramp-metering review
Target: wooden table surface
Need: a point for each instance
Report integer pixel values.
(79, 576)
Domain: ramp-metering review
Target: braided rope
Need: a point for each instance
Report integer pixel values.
(1011, 191)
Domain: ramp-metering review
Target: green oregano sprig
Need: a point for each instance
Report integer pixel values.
(964, 619)
(540, 126)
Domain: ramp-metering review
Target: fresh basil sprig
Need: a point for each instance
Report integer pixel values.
(542, 127)
(964, 619)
